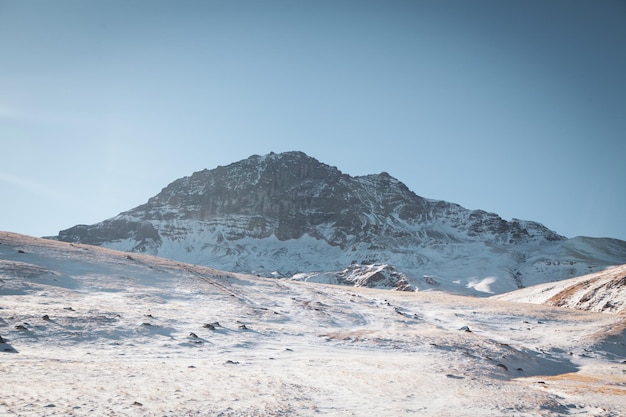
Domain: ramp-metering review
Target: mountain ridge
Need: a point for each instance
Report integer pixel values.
(286, 214)
(603, 291)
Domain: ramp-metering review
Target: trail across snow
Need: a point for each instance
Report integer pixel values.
(91, 331)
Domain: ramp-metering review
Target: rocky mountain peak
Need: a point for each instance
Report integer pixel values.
(289, 213)
(286, 195)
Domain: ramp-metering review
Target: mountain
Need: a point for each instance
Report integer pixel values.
(288, 214)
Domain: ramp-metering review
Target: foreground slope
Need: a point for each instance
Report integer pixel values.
(603, 291)
(287, 214)
(91, 331)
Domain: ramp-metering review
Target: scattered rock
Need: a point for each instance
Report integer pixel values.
(193, 335)
(243, 327)
(208, 326)
(20, 251)
(20, 327)
(229, 362)
(138, 404)
(146, 324)
(68, 309)
(503, 366)
(49, 406)
(465, 329)
(45, 317)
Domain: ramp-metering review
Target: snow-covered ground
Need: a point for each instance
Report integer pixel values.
(91, 331)
(600, 291)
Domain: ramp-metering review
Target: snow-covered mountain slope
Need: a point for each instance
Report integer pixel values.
(91, 331)
(372, 276)
(287, 214)
(603, 291)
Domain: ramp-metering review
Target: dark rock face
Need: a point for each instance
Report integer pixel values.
(285, 195)
(289, 195)
(253, 214)
(111, 230)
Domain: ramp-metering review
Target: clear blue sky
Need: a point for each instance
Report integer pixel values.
(513, 107)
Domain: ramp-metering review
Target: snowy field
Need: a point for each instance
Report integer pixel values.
(88, 331)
